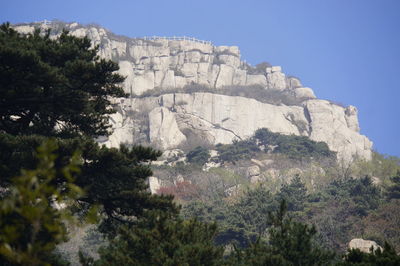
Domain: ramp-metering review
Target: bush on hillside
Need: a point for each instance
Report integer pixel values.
(291, 145)
(295, 147)
(236, 151)
(198, 155)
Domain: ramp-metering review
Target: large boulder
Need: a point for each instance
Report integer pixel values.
(225, 76)
(303, 92)
(154, 184)
(253, 174)
(126, 70)
(334, 125)
(363, 245)
(352, 118)
(164, 131)
(123, 127)
(276, 80)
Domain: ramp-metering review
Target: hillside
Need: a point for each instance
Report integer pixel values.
(183, 87)
(251, 165)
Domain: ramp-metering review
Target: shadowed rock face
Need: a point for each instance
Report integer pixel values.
(170, 119)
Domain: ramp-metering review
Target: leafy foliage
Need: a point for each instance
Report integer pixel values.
(382, 166)
(31, 214)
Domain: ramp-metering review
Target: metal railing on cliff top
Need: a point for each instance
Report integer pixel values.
(175, 38)
(152, 38)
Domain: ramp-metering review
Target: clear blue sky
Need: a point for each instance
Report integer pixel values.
(348, 51)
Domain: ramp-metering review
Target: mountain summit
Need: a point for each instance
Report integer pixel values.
(185, 91)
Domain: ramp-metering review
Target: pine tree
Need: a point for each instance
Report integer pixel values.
(393, 192)
(246, 219)
(54, 87)
(59, 87)
(295, 241)
(289, 243)
(198, 155)
(294, 193)
(162, 238)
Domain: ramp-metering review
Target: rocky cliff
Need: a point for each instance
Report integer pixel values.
(184, 90)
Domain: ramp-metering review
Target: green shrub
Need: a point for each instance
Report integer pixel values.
(199, 155)
(31, 225)
(236, 151)
(293, 146)
(258, 69)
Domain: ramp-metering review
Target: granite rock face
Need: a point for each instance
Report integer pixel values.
(363, 245)
(167, 63)
(338, 127)
(216, 118)
(154, 184)
(164, 131)
(172, 119)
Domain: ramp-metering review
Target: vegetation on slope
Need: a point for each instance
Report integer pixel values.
(58, 90)
(295, 147)
(54, 95)
(256, 92)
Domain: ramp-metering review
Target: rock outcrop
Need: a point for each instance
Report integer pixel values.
(363, 245)
(154, 184)
(338, 127)
(164, 131)
(216, 118)
(167, 63)
(171, 65)
(253, 174)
